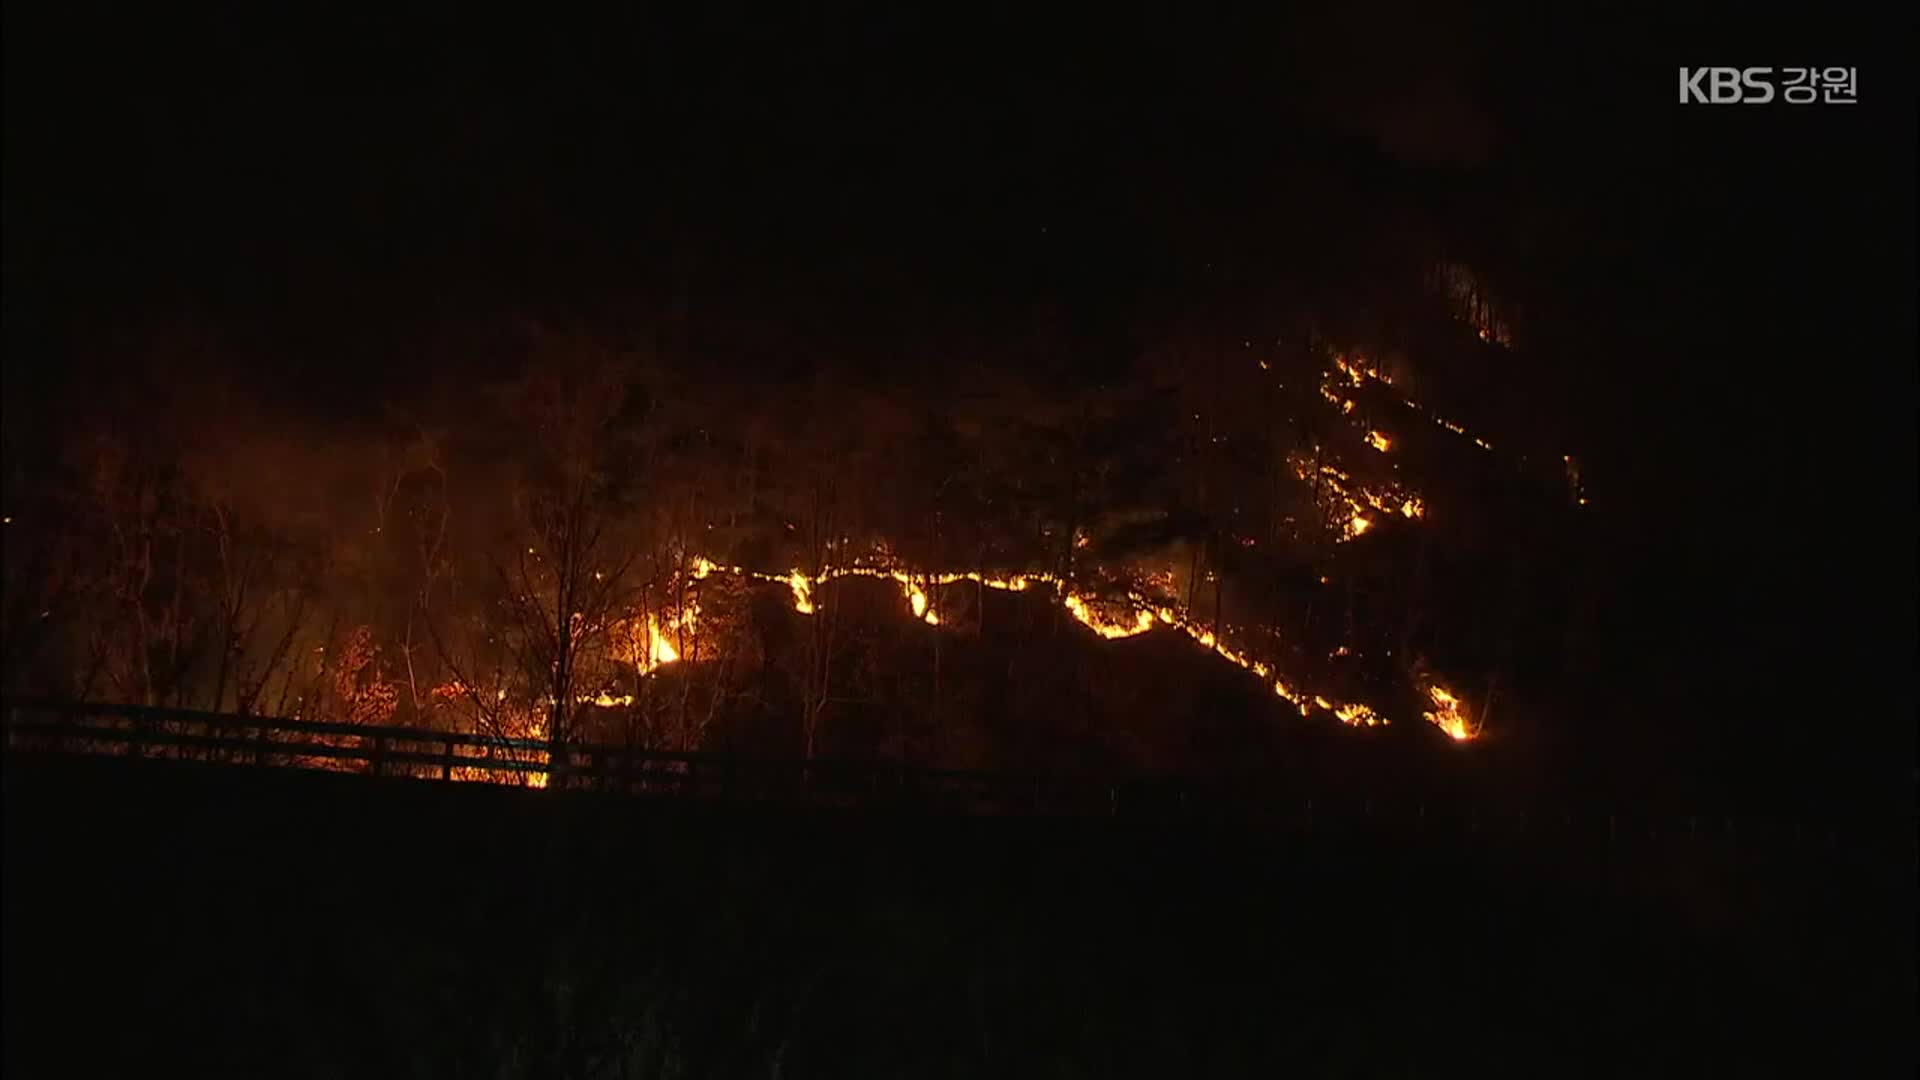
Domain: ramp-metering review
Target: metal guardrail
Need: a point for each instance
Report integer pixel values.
(164, 734)
(152, 733)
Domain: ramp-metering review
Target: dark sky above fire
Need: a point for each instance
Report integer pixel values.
(893, 167)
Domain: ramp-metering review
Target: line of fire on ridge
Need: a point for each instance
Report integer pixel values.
(1090, 611)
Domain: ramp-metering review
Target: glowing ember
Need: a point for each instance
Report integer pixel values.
(1379, 441)
(1472, 305)
(1288, 694)
(1358, 369)
(1573, 479)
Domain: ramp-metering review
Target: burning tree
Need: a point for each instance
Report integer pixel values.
(565, 582)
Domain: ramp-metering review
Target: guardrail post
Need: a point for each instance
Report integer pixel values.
(379, 759)
(446, 759)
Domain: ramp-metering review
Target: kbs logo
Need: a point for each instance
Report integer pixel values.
(1755, 86)
(1725, 86)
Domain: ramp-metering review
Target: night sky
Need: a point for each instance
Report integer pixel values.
(1720, 299)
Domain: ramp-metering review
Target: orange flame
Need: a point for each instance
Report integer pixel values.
(1449, 715)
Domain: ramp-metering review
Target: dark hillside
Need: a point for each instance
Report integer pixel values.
(346, 926)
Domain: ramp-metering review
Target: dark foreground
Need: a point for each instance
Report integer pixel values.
(164, 919)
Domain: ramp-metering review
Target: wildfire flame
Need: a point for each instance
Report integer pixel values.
(648, 642)
(1287, 693)
(1346, 503)
(659, 649)
(1449, 715)
(651, 642)
(1094, 612)
(1354, 714)
(1359, 371)
(1105, 625)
